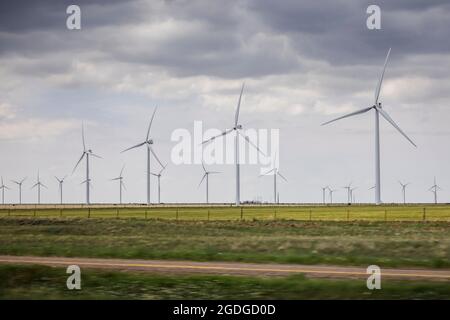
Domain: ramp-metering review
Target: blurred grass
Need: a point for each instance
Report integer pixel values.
(39, 282)
(387, 244)
(332, 213)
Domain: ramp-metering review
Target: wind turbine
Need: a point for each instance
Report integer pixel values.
(3, 187)
(86, 153)
(38, 184)
(331, 191)
(148, 142)
(60, 182)
(275, 172)
(378, 111)
(323, 193)
(404, 190)
(236, 128)
(352, 196)
(121, 183)
(206, 176)
(158, 175)
(434, 188)
(349, 193)
(19, 183)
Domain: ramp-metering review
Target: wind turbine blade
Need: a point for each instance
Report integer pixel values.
(121, 171)
(163, 168)
(81, 158)
(23, 179)
(44, 185)
(389, 119)
(57, 179)
(219, 135)
(265, 174)
(95, 155)
(380, 81)
(82, 136)
(13, 181)
(203, 178)
(236, 116)
(214, 172)
(136, 146)
(150, 124)
(282, 176)
(156, 157)
(123, 185)
(203, 165)
(34, 186)
(348, 115)
(251, 143)
(114, 179)
(153, 174)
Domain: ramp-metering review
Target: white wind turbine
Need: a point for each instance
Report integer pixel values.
(378, 111)
(19, 183)
(86, 153)
(404, 185)
(323, 193)
(331, 191)
(3, 187)
(349, 192)
(236, 128)
(206, 176)
(352, 195)
(434, 188)
(148, 143)
(38, 184)
(60, 183)
(275, 172)
(121, 183)
(158, 175)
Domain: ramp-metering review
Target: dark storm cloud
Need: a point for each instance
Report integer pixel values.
(232, 39)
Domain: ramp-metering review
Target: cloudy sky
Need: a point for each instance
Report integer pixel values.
(303, 62)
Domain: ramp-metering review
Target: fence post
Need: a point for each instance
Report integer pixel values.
(424, 218)
(117, 213)
(208, 214)
(145, 213)
(9, 212)
(242, 213)
(275, 214)
(60, 212)
(385, 215)
(310, 215)
(177, 215)
(89, 212)
(348, 215)
(34, 213)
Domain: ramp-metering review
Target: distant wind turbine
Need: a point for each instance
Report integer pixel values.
(236, 128)
(378, 111)
(434, 188)
(323, 193)
(3, 187)
(349, 192)
(19, 183)
(206, 176)
(38, 184)
(86, 153)
(121, 184)
(275, 172)
(331, 191)
(158, 175)
(352, 195)
(60, 183)
(404, 190)
(148, 142)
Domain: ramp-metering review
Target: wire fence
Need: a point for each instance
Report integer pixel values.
(314, 213)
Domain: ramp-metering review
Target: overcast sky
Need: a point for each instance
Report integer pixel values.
(303, 62)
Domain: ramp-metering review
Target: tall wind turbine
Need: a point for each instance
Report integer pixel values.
(331, 191)
(206, 176)
(86, 153)
(349, 192)
(38, 184)
(148, 142)
(404, 185)
(121, 184)
(434, 188)
(352, 195)
(275, 172)
(158, 175)
(378, 111)
(19, 183)
(236, 128)
(3, 187)
(60, 183)
(323, 193)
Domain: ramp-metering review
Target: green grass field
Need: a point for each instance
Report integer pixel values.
(39, 282)
(305, 213)
(387, 244)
